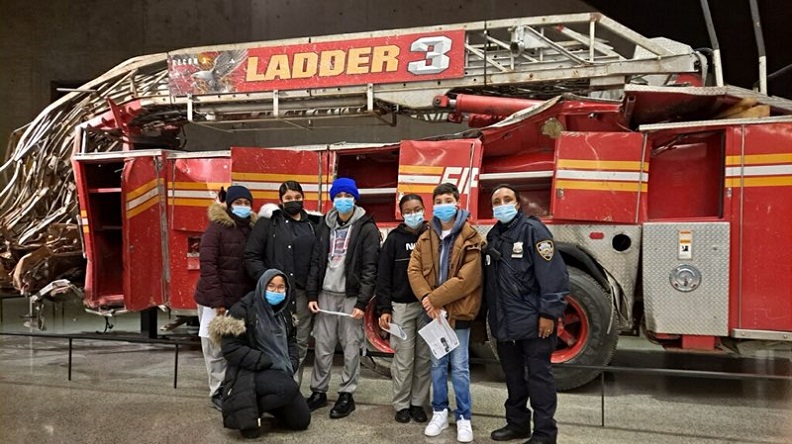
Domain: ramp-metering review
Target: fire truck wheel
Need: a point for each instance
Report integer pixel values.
(377, 342)
(584, 336)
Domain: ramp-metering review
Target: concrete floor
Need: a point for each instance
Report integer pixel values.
(123, 393)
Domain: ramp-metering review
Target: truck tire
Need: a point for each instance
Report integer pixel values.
(376, 341)
(587, 335)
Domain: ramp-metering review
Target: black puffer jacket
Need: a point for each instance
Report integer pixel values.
(271, 244)
(223, 279)
(525, 278)
(237, 335)
(360, 264)
(392, 282)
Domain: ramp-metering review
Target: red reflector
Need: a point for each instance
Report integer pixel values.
(596, 235)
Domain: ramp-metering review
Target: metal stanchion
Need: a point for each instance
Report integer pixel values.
(70, 357)
(176, 366)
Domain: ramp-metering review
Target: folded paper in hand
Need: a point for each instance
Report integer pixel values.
(336, 313)
(440, 337)
(396, 330)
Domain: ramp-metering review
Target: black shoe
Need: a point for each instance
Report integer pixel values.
(508, 433)
(217, 402)
(251, 433)
(316, 401)
(343, 407)
(540, 440)
(418, 414)
(403, 415)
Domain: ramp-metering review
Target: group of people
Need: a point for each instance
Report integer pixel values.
(268, 283)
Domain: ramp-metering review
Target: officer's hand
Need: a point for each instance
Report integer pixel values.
(357, 313)
(546, 327)
(313, 306)
(384, 320)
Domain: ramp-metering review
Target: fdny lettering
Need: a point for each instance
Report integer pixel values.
(303, 65)
(409, 246)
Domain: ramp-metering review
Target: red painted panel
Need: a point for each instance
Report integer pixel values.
(599, 177)
(144, 208)
(425, 164)
(766, 299)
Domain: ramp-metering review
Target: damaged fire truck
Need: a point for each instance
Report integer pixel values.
(666, 191)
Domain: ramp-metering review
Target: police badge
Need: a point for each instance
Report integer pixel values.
(546, 249)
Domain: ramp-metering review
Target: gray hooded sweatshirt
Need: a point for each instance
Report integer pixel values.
(335, 276)
(272, 335)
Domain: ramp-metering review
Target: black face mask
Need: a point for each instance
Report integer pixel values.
(293, 207)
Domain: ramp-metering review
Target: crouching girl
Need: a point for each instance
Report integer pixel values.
(259, 342)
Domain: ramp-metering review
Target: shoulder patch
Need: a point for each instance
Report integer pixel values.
(546, 249)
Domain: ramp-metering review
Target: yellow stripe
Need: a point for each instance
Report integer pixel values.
(755, 159)
(85, 229)
(273, 195)
(83, 213)
(413, 188)
(142, 207)
(767, 181)
(268, 177)
(621, 165)
(141, 190)
(198, 186)
(191, 202)
(421, 169)
(591, 185)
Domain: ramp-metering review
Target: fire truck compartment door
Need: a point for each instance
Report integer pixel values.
(599, 177)
(263, 170)
(686, 277)
(144, 232)
(425, 164)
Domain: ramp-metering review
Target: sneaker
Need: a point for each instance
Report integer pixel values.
(403, 415)
(418, 414)
(217, 402)
(316, 401)
(464, 430)
(438, 423)
(343, 407)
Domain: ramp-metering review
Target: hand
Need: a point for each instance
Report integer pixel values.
(219, 311)
(427, 304)
(433, 313)
(313, 306)
(357, 313)
(384, 320)
(546, 327)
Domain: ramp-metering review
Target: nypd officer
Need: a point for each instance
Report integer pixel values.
(526, 287)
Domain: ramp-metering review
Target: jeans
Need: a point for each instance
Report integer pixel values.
(460, 377)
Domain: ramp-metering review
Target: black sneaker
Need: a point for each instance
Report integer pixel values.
(403, 415)
(418, 414)
(509, 433)
(217, 402)
(343, 407)
(316, 401)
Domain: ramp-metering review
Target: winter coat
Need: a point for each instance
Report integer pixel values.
(525, 278)
(360, 264)
(271, 245)
(236, 333)
(392, 283)
(223, 280)
(460, 294)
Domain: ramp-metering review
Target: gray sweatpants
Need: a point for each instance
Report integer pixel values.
(213, 358)
(304, 324)
(329, 330)
(412, 362)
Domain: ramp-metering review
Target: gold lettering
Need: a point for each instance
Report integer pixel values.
(331, 63)
(304, 65)
(358, 60)
(384, 58)
(252, 74)
(278, 66)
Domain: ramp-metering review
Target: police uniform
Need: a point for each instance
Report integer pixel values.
(525, 280)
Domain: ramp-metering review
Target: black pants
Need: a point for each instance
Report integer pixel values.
(529, 375)
(279, 395)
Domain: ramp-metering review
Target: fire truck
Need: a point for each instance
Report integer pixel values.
(666, 191)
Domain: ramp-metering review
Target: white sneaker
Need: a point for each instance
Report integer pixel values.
(438, 423)
(464, 430)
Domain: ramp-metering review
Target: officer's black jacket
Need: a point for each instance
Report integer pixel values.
(522, 282)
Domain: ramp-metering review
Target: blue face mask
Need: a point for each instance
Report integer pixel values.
(505, 213)
(414, 220)
(240, 211)
(344, 204)
(444, 212)
(274, 297)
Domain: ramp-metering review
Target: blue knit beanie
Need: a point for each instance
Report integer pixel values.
(344, 185)
(235, 192)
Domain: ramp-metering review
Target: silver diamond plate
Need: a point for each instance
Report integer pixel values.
(705, 309)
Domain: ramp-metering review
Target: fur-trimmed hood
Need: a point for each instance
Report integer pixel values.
(225, 325)
(219, 213)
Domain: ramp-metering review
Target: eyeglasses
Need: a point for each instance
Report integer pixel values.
(276, 288)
